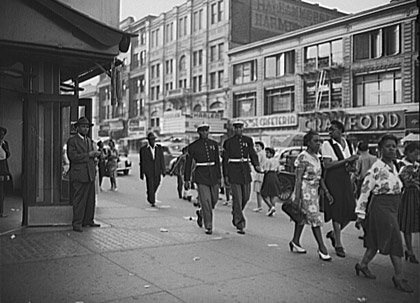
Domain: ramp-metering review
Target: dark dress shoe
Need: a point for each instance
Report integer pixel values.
(331, 236)
(339, 251)
(92, 225)
(240, 231)
(209, 231)
(78, 229)
(199, 218)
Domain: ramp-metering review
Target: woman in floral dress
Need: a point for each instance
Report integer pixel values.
(306, 194)
(382, 189)
(409, 211)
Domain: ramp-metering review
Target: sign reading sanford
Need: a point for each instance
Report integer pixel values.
(280, 120)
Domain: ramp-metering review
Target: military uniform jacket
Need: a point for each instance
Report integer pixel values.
(238, 153)
(205, 153)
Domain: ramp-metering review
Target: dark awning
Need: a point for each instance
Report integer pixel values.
(98, 31)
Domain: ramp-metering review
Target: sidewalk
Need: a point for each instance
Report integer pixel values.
(150, 255)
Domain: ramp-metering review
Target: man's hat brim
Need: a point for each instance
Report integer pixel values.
(83, 121)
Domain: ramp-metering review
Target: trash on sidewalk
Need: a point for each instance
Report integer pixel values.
(12, 237)
(196, 258)
(146, 286)
(362, 299)
(217, 238)
(130, 274)
(189, 218)
(273, 245)
(163, 230)
(165, 206)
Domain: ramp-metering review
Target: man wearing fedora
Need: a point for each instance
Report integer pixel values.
(239, 152)
(205, 153)
(152, 165)
(83, 157)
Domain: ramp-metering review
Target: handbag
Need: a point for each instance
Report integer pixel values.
(293, 211)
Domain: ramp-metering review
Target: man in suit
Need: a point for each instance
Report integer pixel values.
(83, 157)
(152, 165)
(239, 152)
(205, 152)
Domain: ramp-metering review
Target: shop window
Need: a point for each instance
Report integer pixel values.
(324, 55)
(377, 43)
(378, 89)
(280, 65)
(279, 100)
(244, 105)
(245, 72)
(326, 96)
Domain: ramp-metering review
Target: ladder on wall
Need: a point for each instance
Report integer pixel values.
(319, 89)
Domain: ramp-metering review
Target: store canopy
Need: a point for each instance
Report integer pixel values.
(410, 137)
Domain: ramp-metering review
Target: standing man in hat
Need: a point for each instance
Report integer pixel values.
(239, 152)
(83, 158)
(205, 153)
(152, 165)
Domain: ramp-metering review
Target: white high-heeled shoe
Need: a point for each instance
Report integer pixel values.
(297, 248)
(324, 257)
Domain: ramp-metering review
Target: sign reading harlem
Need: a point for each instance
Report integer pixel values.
(283, 16)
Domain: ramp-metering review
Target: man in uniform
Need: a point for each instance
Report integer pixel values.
(205, 153)
(238, 153)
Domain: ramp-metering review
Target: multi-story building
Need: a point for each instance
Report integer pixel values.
(177, 74)
(362, 69)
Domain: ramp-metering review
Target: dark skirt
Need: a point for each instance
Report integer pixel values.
(271, 186)
(409, 211)
(382, 230)
(339, 185)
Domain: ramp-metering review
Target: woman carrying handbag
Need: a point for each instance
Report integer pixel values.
(306, 194)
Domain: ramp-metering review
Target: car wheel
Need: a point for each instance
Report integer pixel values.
(287, 187)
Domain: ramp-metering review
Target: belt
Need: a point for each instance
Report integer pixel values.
(238, 160)
(205, 164)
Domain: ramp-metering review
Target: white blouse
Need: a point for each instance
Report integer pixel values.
(328, 152)
(380, 179)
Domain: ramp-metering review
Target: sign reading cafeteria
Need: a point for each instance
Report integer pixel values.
(280, 120)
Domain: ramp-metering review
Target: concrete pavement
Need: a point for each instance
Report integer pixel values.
(142, 254)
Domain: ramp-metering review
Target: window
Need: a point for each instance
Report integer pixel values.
(217, 11)
(329, 94)
(155, 71)
(182, 63)
(279, 100)
(139, 84)
(280, 65)
(324, 55)
(182, 83)
(197, 82)
(198, 21)
(244, 105)
(154, 92)
(168, 86)
(142, 58)
(135, 41)
(135, 61)
(377, 43)
(198, 58)
(142, 37)
(154, 122)
(213, 53)
(155, 38)
(220, 79)
(169, 35)
(220, 51)
(169, 66)
(245, 72)
(378, 89)
(213, 80)
(182, 27)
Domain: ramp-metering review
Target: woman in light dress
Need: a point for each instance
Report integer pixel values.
(306, 194)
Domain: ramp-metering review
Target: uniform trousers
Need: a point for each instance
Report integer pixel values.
(208, 195)
(83, 200)
(240, 197)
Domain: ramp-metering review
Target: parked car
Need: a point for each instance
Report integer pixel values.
(287, 155)
(171, 151)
